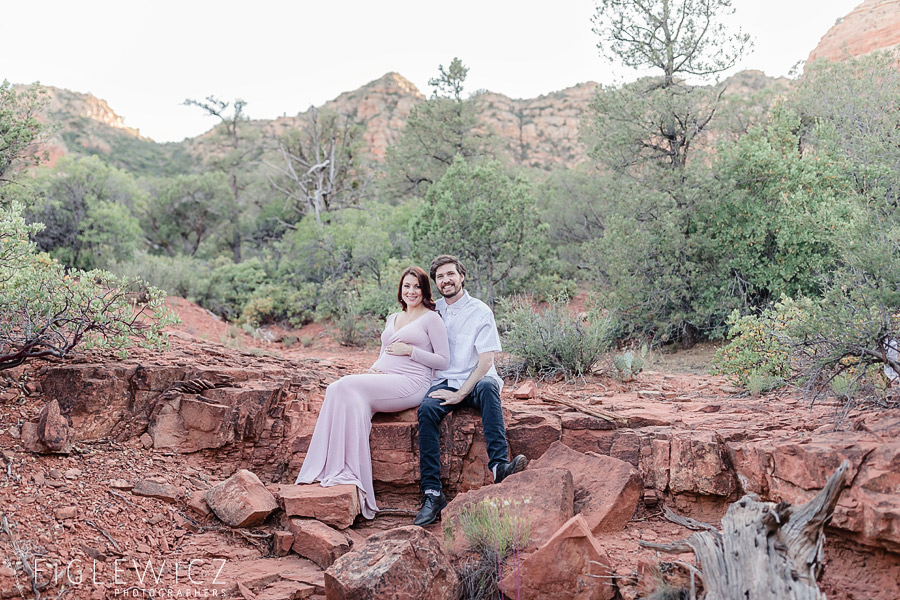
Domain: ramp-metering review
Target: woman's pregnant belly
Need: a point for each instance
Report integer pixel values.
(402, 365)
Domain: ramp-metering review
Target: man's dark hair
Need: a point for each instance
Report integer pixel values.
(446, 259)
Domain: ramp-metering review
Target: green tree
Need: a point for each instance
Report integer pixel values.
(490, 221)
(46, 311)
(20, 131)
(673, 36)
(235, 153)
(852, 110)
(652, 264)
(779, 225)
(186, 211)
(87, 209)
(436, 131)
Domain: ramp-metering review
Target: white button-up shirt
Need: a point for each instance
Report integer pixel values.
(471, 330)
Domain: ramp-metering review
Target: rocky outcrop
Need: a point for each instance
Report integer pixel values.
(571, 565)
(873, 25)
(406, 562)
(241, 500)
(540, 499)
(607, 490)
(335, 505)
(317, 541)
(52, 433)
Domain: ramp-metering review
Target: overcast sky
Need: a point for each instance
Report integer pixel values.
(282, 56)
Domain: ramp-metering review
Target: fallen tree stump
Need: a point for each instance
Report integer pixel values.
(765, 551)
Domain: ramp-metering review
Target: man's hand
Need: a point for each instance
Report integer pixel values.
(448, 396)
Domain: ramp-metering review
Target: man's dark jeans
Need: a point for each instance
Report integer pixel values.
(486, 398)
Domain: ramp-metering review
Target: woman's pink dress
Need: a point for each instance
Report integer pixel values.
(339, 450)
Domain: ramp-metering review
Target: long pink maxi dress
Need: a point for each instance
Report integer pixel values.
(339, 450)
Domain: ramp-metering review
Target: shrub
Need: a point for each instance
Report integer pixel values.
(495, 531)
(230, 286)
(553, 342)
(277, 302)
(181, 276)
(760, 383)
(761, 344)
(45, 311)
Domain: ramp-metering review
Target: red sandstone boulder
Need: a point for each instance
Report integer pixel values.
(531, 433)
(97, 398)
(196, 501)
(543, 498)
(570, 566)
(213, 419)
(335, 505)
(795, 469)
(31, 439)
(54, 429)
(405, 563)
(525, 391)
(394, 459)
(698, 463)
(317, 541)
(241, 500)
(266, 575)
(607, 490)
(159, 489)
(282, 542)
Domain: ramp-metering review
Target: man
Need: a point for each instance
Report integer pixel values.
(470, 380)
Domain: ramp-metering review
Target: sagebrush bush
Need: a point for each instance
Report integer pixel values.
(553, 342)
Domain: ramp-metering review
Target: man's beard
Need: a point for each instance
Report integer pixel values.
(454, 290)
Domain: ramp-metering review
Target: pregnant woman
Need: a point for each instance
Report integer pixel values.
(413, 344)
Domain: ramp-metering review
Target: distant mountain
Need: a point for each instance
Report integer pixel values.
(84, 124)
(873, 25)
(541, 132)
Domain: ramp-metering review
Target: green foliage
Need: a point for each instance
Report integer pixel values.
(649, 265)
(479, 214)
(137, 155)
(649, 123)
(276, 302)
(852, 109)
(436, 131)
(495, 530)
(46, 311)
(235, 150)
(553, 341)
(779, 230)
(86, 207)
(178, 275)
(186, 211)
(762, 345)
(685, 37)
(628, 364)
(231, 286)
(844, 386)
(20, 129)
(760, 383)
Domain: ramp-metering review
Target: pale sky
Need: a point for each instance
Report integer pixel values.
(282, 56)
